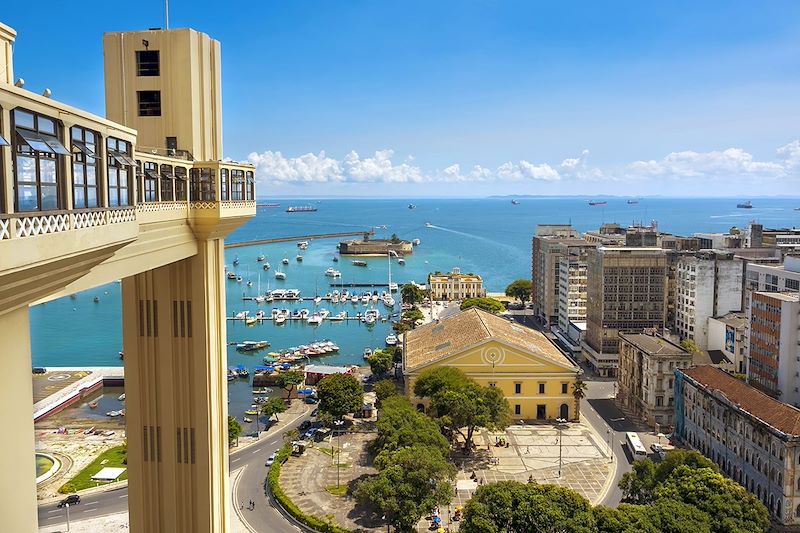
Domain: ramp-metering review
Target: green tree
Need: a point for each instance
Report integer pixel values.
(291, 435)
(519, 289)
(639, 484)
(411, 294)
(325, 419)
(690, 346)
(340, 394)
(412, 315)
(401, 327)
(380, 362)
(395, 239)
(578, 393)
(461, 405)
(395, 352)
(384, 389)
(411, 481)
(400, 425)
(234, 430)
(272, 407)
(487, 304)
(510, 506)
(289, 381)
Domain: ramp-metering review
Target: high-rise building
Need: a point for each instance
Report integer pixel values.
(548, 245)
(626, 293)
(84, 202)
(774, 344)
(572, 279)
(708, 283)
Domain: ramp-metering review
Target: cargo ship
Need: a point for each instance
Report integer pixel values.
(301, 209)
(745, 205)
(596, 202)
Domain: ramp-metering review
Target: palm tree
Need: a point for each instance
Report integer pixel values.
(578, 392)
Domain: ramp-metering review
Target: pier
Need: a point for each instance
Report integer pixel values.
(300, 238)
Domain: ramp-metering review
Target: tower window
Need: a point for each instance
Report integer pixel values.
(149, 103)
(148, 63)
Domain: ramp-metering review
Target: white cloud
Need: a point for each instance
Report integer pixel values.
(730, 164)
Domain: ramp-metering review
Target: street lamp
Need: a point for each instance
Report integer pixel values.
(559, 426)
(610, 451)
(67, 506)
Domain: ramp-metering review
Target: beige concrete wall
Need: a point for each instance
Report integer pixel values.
(17, 447)
(7, 37)
(190, 85)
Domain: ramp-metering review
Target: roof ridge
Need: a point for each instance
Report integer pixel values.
(483, 322)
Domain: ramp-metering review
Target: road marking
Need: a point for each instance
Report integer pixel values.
(234, 460)
(256, 451)
(55, 511)
(123, 496)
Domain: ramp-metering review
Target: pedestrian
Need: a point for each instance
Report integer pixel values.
(241, 504)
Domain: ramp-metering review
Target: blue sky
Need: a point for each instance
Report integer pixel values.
(472, 98)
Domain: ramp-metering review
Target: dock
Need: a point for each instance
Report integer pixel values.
(300, 238)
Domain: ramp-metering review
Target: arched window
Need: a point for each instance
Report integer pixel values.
(564, 411)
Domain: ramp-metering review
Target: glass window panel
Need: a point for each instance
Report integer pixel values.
(26, 198)
(55, 144)
(123, 177)
(91, 200)
(80, 197)
(91, 176)
(123, 196)
(23, 119)
(47, 170)
(49, 197)
(33, 140)
(26, 169)
(77, 174)
(111, 143)
(112, 177)
(46, 125)
(3, 142)
(76, 134)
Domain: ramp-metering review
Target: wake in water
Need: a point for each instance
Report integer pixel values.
(473, 236)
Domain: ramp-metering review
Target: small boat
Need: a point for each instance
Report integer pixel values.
(341, 315)
(391, 340)
(359, 263)
(633, 202)
(299, 258)
(285, 260)
(354, 299)
(365, 299)
(260, 258)
(251, 346)
(251, 412)
(597, 202)
(236, 262)
(333, 273)
(267, 266)
(241, 315)
(369, 319)
(375, 296)
(416, 242)
(115, 413)
(96, 299)
(317, 300)
(401, 261)
(316, 318)
(393, 287)
(238, 279)
(231, 275)
(301, 209)
(412, 206)
(280, 275)
(745, 205)
(514, 202)
(335, 259)
(388, 301)
(121, 397)
(367, 353)
(249, 283)
(280, 319)
(88, 431)
(428, 225)
(93, 405)
(246, 419)
(302, 245)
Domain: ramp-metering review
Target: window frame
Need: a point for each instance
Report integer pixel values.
(148, 108)
(151, 184)
(147, 72)
(167, 186)
(250, 185)
(203, 185)
(181, 182)
(238, 185)
(224, 184)
(85, 157)
(50, 151)
(119, 172)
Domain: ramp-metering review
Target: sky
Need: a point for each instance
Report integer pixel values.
(473, 98)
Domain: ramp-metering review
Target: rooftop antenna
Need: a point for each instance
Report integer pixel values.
(166, 14)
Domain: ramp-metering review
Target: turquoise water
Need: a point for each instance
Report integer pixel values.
(490, 237)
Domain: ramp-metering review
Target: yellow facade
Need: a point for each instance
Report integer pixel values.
(535, 388)
(455, 285)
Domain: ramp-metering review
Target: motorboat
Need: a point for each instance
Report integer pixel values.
(280, 275)
(236, 261)
(316, 318)
(241, 315)
(333, 273)
(121, 397)
(304, 313)
(375, 296)
(251, 412)
(231, 275)
(317, 300)
(428, 225)
(324, 313)
(335, 259)
(365, 299)
(335, 299)
(388, 300)
(359, 263)
(250, 321)
(514, 202)
(238, 279)
(369, 319)
(367, 353)
(251, 346)
(285, 260)
(354, 298)
(247, 419)
(341, 315)
(412, 206)
(260, 314)
(416, 242)
(393, 287)
(299, 258)
(401, 261)
(302, 245)
(260, 258)
(93, 405)
(280, 319)
(292, 294)
(249, 282)
(391, 340)
(267, 266)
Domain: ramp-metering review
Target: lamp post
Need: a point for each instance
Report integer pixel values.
(559, 422)
(67, 506)
(610, 451)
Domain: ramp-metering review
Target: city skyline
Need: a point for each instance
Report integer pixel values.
(369, 100)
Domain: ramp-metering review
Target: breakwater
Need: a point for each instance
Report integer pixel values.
(299, 238)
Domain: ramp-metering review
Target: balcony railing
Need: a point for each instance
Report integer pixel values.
(22, 225)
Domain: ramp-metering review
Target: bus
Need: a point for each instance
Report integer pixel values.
(635, 446)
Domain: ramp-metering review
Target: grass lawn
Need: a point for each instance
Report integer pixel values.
(337, 491)
(113, 457)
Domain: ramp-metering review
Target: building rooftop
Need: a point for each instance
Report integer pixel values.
(444, 276)
(438, 340)
(718, 357)
(327, 369)
(735, 319)
(787, 296)
(778, 415)
(653, 344)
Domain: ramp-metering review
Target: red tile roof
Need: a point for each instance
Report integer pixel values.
(779, 415)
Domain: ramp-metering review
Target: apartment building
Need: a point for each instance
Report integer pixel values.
(647, 362)
(572, 279)
(726, 335)
(455, 286)
(551, 242)
(774, 344)
(707, 284)
(755, 439)
(626, 293)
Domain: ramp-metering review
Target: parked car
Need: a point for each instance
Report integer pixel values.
(39, 370)
(271, 459)
(312, 400)
(658, 450)
(304, 426)
(72, 499)
(314, 412)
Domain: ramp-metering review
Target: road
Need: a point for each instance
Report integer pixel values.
(264, 518)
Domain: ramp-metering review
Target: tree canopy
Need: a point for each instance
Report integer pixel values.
(487, 304)
(380, 362)
(411, 481)
(519, 289)
(411, 294)
(400, 425)
(289, 380)
(460, 405)
(234, 429)
(340, 394)
(384, 389)
(272, 407)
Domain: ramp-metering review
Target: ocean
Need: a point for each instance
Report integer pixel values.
(490, 237)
